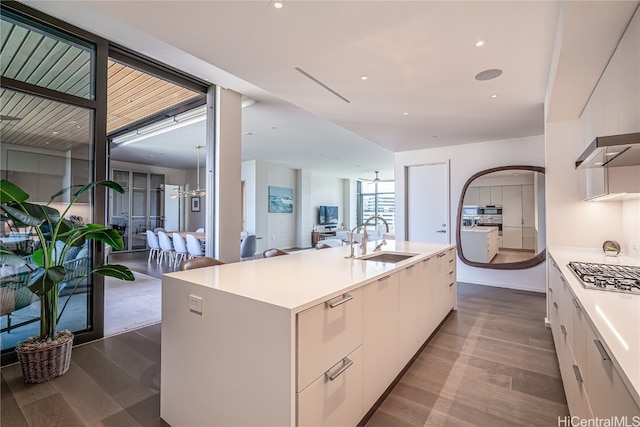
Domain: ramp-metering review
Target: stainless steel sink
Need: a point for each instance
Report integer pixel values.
(391, 257)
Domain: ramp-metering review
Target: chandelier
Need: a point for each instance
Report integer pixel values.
(198, 191)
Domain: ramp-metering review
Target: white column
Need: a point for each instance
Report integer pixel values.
(226, 202)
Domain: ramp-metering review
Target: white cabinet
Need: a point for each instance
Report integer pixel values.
(380, 336)
(472, 196)
(484, 196)
(593, 385)
(427, 318)
(479, 244)
(445, 286)
(496, 195)
(334, 399)
(327, 333)
(408, 312)
(518, 214)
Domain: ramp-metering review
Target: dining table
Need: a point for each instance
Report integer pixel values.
(198, 235)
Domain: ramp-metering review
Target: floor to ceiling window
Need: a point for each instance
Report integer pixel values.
(376, 198)
(47, 111)
(65, 94)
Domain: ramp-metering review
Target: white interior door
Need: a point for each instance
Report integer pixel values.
(427, 202)
(171, 208)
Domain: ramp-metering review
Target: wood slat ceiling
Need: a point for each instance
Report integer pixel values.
(40, 59)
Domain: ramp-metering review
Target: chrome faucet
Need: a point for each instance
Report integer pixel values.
(364, 239)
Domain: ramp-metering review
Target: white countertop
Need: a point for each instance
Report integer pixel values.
(615, 315)
(481, 229)
(304, 279)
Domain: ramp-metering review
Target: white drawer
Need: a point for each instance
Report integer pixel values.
(336, 402)
(326, 334)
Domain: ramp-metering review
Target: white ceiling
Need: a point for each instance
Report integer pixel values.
(420, 57)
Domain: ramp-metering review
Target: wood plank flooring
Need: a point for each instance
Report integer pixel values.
(491, 364)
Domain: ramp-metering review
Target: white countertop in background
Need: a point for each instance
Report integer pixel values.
(481, 229)
(303, 279)
(615, 315)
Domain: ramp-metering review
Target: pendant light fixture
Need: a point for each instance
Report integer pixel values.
(198, 191)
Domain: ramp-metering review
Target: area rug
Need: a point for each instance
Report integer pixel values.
(131, 305)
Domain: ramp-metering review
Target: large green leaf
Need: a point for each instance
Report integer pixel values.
(20, 217)
(108, 236)
(115, 270)
(9, 192)
(38, 257)
(9, 258)
(41, 284)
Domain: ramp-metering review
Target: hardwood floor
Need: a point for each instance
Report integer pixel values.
(492, 363)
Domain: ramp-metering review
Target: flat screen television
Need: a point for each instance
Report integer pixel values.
(328, 215)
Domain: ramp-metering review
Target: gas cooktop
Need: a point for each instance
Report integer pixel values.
(607, 277)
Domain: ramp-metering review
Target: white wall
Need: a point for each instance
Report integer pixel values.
(466, 160)
(310, 191)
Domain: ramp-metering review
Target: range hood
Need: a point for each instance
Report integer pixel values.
(611, 151)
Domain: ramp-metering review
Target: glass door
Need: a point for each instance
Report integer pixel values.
(138, 209)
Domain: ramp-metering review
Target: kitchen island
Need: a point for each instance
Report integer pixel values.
(479, 244)
(312, 338)
(597, 338)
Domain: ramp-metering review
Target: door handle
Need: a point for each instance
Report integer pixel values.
(441, 231)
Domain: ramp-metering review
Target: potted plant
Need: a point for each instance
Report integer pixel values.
(48, 355)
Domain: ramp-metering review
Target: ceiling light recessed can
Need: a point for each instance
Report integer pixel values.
(488, 74)
(278, 4)
(405, 114)
(481, 43)
(364, 78)
(495, 95)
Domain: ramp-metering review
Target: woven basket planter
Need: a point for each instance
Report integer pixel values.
(44, 364)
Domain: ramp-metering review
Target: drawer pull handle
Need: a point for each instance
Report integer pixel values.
(563, 329)
(602, 350)
(576, 303)
(333, 375)
(440, 255)
(555, 304)
(451, 272)
(451, 284)
(576, 371)
(346, 297)
(410, 267)
(450, 260)
(562, 278)
(551, 290)
(384, 278)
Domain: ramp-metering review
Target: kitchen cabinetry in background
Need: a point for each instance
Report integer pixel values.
(483, 196)
(518, 217)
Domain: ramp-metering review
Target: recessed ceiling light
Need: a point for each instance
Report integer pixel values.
(405, 114)
(278, 4)
(495, 95)
(481, 43)
(488, 74)
(364, 77)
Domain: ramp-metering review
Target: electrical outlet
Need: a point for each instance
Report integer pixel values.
(195, 304)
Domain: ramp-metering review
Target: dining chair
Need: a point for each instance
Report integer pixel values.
(273, 252)
(155, 230)
(166, 247)
(154, 245)
(14, 296)
(248, 247)
(193, 247)
(203, 261)
(180, 250)
(200, 230)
